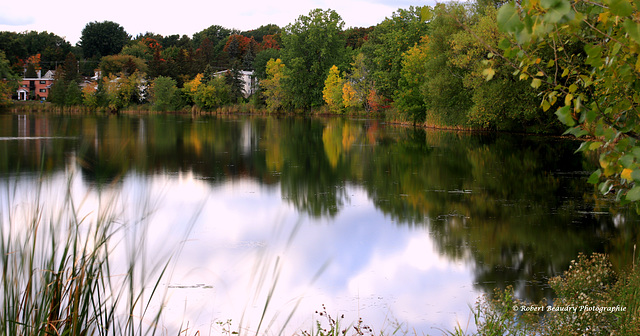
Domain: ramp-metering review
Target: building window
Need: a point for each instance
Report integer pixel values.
(43, 90)
(43, 82)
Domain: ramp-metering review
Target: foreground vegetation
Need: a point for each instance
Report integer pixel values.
(59, 273)
(591, 300)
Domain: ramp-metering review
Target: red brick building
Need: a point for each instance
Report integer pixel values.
(36, 88)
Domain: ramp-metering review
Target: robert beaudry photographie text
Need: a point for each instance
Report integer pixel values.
(575, 309)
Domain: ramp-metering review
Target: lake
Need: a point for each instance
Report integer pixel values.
(275, 215)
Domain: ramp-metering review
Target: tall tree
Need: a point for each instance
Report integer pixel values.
(71, 68)
(447, 100)
(272, 87)
(259, 33)
(386, 44)
(312, 45)
(332, 92)
(261, 59)
(8, 80)
(215, 33)
(163, 94)
(103, 39)
(52, 48)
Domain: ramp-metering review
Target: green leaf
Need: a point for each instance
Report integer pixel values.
(583, 147)
(426, 14)
(605, 187)
(591, 115)
(635, 175)
(504, 43)
(633, 29)
(595, 177)
(633, 194)
(558, 9)
(627, 160)
(620, 7)
(565, 116)
(595, 145)
(509, 19)
(577, 132)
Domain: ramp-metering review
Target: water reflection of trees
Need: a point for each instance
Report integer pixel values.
(516, 207)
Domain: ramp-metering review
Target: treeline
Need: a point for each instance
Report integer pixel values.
(420, 65)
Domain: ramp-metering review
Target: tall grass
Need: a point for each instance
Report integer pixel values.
(58, 273)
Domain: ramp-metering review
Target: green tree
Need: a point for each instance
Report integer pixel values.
(214, 94)
(215, 33)
(312, 45)
(8, 80)
(260, 62)
(233, 79)
(58, 91)
(103, 39)
(590, 77)
(386, 44)
(409, 98)
(120, 90)
(73, 94)
(138, 49)
(14, 49)
(504, 102)
(31, 71)
(70, 68)
(447, 101)
(164, 94)
(122, 64)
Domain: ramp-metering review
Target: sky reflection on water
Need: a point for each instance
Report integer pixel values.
(374, 269)
(232, 242)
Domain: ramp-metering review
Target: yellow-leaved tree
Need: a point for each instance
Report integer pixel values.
(272, 89)
(332, 92)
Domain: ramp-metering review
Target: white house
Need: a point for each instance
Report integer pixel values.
(248, 79)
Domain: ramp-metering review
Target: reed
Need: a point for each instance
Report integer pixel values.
(58, 271)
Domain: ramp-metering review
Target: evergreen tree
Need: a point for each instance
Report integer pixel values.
(31, 71)
(58, 91)
(70, 68)
(233, 78)
(73, 94)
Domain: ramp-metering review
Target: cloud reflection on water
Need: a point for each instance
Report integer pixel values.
(376, 269)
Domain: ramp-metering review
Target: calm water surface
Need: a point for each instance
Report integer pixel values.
(385, 223)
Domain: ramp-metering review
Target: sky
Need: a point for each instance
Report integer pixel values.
(67, 18)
